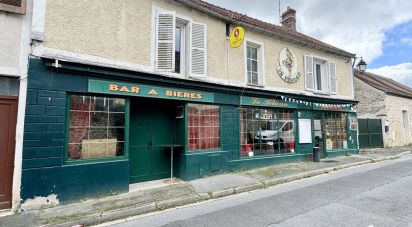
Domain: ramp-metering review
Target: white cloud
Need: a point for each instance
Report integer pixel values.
(401, 73)
(407, 41)
(357, 26)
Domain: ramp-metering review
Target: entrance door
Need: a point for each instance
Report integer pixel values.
(319, 134)
(151, 125)
(8, 118)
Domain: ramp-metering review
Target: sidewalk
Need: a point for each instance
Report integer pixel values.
(154, 199)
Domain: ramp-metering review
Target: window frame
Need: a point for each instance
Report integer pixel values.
(323, 63)
(183, 24)
(260, 61)
(125, 155)
(187, 150)
(279, 125)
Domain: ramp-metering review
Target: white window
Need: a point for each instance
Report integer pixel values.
(180, 45)
(254, 63)
(320, 75)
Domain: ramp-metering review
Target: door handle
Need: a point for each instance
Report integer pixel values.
(150, 145)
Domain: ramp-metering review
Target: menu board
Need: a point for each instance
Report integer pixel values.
(305, 130)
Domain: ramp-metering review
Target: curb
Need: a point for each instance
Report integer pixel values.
(108, 216)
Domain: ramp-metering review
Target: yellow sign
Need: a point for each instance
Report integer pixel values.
(236, 37)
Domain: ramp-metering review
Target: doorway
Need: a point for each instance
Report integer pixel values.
(319, 133)
(152, 124)
(8, 119)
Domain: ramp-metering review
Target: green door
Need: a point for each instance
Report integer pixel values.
(370, 133)
(151, 125)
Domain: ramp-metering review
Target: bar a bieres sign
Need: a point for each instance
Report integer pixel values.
(140, 90)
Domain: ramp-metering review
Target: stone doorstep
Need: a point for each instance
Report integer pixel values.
(111, 215)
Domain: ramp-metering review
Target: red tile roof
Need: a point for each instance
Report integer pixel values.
(279, 31)
(384, 84)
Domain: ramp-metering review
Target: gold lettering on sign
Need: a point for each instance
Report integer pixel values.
(183, 94)
(153, 92)
(124, 89)
(135, 90)
(113, 87)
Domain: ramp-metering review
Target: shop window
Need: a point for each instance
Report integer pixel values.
(203, 126)
(266, 132)
(335, 126)
(96, 127)
(254, 64)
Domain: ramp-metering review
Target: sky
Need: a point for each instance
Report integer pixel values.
(380, 31)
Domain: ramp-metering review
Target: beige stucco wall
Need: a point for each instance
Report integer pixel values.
(122, 30)
(11, 27)
(394, 107)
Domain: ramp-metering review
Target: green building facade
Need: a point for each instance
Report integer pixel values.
(91, 131)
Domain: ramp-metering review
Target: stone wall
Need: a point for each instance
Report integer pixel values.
(371, 100)
(398, 135)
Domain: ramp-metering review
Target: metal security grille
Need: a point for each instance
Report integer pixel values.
(370, 133)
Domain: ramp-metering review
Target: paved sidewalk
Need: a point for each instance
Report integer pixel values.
(154, 199)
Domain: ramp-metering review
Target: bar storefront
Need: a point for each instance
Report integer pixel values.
(102, 129)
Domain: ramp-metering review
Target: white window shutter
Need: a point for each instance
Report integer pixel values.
(309, 80)
(332, 78)
(198, 49)
(165, 41)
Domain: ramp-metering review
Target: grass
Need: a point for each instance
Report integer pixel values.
(268, 172)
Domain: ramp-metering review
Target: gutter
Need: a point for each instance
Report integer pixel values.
(287, 38)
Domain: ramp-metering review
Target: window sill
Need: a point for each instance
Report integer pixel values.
(93, 160)
(256, 85)
(321, 93)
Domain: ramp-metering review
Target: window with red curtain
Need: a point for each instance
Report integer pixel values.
(203, 126)
(96, 127)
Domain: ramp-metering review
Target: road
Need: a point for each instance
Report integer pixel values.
(378, 194)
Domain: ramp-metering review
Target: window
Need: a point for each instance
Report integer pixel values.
(9, 86)
(320, 75)
(254, 64)
(14, 6)
(173, 51)
(203, 126)
(266, 132)
(96, 127)
(335, 127)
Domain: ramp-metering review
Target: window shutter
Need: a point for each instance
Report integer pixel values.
(198, 50)
(309, 82)
(165, 41)
(332, 78)
(14, 6)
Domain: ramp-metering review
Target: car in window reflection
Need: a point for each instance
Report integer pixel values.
(274, 132)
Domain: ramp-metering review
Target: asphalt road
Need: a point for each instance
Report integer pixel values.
(379, 194)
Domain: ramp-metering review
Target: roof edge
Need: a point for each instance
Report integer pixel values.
(333, 50)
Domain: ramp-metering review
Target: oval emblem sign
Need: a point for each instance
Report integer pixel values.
(236, 37)
(288, 66)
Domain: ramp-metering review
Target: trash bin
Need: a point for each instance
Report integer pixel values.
(316, 154)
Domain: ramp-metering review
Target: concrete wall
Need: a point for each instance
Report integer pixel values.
(123, 31)
(10, 43)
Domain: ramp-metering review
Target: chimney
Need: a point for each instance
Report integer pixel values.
(289, 19)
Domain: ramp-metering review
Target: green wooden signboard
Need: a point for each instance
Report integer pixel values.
(252, 101)
(139, 90)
